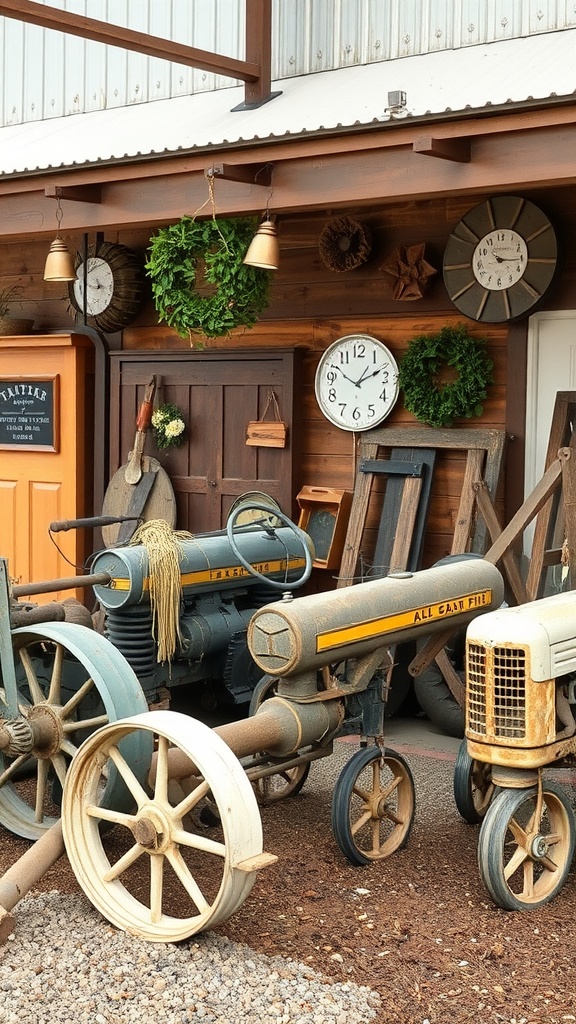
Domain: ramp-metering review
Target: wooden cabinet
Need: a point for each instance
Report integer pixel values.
(46, 453)
(218, 393)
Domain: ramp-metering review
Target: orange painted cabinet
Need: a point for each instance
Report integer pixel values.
(46, 453)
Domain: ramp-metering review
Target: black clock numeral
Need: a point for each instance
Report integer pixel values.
(330, 377)
(359, 350)
(332, 394)
(370, 411)
(344, 357)
(342, 406)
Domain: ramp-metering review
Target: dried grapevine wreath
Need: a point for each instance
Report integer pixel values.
(429, 361)
(216, 247)
(345, 244)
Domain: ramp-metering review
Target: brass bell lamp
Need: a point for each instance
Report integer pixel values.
(59, 264)
(264, 249)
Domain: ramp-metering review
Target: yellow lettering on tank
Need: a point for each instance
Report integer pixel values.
(219, 574)
(424, 614)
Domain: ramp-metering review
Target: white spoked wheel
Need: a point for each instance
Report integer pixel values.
(69, 682)
(171, 867)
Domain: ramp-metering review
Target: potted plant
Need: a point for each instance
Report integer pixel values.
(10, 324)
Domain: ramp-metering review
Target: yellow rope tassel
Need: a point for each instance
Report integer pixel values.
(164, 553)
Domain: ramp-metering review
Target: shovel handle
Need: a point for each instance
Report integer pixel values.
(144, 416)
(145, 410)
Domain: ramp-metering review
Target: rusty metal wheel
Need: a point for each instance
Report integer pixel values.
(373, 805)
(526, 846)
(164, 871)
(68, 681)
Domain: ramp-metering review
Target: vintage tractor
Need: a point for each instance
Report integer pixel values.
(194, 811)
(61, 680)
(520, 669)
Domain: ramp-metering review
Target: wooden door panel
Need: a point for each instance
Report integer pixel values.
(51, 480)
(218, 394)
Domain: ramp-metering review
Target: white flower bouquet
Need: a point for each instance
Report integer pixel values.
(168, 426)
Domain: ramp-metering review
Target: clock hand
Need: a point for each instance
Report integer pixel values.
(335, 367)
(504, 259)
(366, 376)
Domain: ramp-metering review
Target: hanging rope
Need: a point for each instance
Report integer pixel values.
(164, 552)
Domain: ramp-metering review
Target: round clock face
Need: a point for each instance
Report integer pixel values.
(99, 286)
(115, 286)
(500, 260)
(356, 382)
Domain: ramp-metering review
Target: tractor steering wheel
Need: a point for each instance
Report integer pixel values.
(269, 527)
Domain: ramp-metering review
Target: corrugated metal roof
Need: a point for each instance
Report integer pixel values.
(506, 72)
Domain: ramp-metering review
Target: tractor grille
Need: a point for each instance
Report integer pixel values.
(496, 691)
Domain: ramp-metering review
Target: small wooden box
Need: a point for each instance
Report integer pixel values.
(324, 517)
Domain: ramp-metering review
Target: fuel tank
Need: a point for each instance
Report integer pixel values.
(287, 637)
(207, 563)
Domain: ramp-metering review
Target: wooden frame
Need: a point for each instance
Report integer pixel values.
(485, 450)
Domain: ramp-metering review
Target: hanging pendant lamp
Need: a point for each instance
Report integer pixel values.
(264, 250)
(59, 264)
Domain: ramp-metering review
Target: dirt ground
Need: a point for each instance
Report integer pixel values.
(418, 927)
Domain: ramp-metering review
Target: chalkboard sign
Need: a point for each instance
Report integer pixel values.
(29, 412)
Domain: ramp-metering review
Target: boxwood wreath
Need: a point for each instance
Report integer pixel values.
(236, 294)
(426, 375)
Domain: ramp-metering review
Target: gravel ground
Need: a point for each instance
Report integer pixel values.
(414, 939)
(65, 964)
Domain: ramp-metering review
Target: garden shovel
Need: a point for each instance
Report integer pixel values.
(133, 470)
(141, 488)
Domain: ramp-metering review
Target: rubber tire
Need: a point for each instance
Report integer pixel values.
(438, 703)
(342, 797)
(492, 843)
(464, 788)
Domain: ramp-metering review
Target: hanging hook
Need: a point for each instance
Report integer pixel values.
(59, 216)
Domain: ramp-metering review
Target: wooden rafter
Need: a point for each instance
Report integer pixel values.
(254, 71)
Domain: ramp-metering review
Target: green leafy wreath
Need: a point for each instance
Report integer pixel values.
(429, 360)
(178, 252)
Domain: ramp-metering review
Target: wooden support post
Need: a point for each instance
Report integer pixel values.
(489, 516)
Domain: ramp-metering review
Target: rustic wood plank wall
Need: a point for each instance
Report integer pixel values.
(312, 305)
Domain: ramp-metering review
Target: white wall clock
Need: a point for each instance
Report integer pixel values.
(115, 286)
(356, 382)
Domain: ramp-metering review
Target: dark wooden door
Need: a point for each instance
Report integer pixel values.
(218, 393)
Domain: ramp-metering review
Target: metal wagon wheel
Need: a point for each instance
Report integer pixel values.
(286, 781)
(526, 845)
(158, 873)
(473, 786)
(69, 681)
(373, 805)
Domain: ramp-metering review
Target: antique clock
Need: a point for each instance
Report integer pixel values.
(356, 382)
(500, 259)
(113, 281)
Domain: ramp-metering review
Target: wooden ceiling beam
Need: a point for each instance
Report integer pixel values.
(248, 174)
(526, 160)
(255, 71)
(454, 149)
(76, 193)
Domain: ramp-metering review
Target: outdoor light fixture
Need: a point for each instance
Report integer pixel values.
(264, 250)
(59, 264)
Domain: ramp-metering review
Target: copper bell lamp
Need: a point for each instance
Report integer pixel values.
(264, 250)
(59, 264)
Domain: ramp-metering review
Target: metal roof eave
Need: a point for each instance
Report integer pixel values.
(379, 124)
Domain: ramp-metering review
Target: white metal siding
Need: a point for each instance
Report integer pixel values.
(47, 74)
